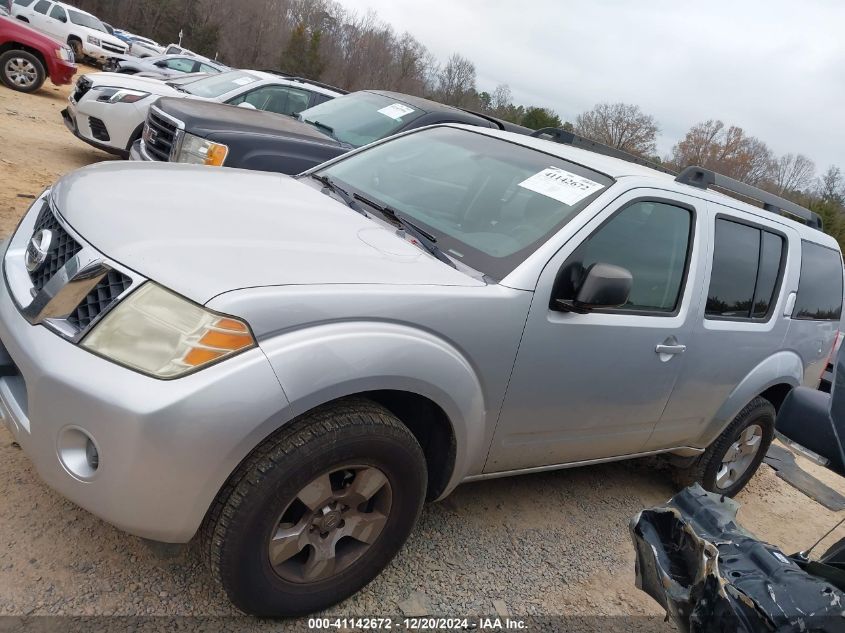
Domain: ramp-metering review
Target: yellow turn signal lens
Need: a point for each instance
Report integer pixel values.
(216, 155)
(221, 338)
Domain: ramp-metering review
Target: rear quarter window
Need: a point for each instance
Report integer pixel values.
(820, 286)
(747, 265)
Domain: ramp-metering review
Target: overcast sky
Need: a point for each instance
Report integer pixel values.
(774, 67)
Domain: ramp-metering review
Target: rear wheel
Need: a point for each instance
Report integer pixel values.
(22, 71)
(730, 462)
(317, 511)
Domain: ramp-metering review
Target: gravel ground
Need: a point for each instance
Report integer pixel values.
(543, 544)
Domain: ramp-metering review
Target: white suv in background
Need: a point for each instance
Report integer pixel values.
(108, 110)
(85, 33)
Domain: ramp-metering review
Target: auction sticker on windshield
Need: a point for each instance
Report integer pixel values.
(242, 81)
(561, 185)
(396, 110)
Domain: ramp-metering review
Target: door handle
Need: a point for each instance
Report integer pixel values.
(670, 349)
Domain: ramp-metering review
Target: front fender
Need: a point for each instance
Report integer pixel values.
(322, 363)
(784, 367)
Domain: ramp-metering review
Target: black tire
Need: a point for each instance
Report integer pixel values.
(78, 50)
(704, 470)
(16, 59)
(245, 515)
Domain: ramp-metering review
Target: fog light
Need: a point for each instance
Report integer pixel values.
(78, 452)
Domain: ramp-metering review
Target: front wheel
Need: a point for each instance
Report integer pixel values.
(317, 511)
(730, 462)
(22, 71)
(78, 50)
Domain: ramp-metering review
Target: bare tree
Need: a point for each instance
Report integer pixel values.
(727, 150)
(792, 173)
(620, 125)
(830, 186)
(501, 97)
(456, 80)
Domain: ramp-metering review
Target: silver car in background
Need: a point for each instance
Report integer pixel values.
(288, 367)
(164, 66)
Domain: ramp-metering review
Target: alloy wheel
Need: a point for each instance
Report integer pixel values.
(330, 524)
(21, 72)
(739, 456)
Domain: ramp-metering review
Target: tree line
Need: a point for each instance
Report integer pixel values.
(320, 39)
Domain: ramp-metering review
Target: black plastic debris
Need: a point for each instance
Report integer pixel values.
(711, 575)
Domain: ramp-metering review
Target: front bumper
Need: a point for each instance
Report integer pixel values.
(62, 72)
(70, 120)
(165, 447)
(122, 122)
(98, 53)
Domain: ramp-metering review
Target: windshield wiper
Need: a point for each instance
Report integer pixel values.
(322, 126)
(425, 239)
(330, 184)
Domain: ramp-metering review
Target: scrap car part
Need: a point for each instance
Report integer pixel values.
(711, 575)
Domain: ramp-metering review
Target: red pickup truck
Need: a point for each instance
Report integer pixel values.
(27, 57)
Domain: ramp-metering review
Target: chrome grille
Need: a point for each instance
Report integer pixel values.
(99, 299)
(63, 249)
(114, 48)
(69, 289)
(159, 136)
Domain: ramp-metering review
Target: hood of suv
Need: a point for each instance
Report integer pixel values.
(133, 82)
(204, 118)
(203, 231)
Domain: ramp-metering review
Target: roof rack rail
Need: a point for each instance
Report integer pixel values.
(305, 80)
(565, 137)
(705, 178)
(507, 126)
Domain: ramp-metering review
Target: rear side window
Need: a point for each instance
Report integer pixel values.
(42, 6)
(23, 3)
(651, 240)
(59, 14)
(278, 99)
(820, 285)
(747, 265)
(180, 64)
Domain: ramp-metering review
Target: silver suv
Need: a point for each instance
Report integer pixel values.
(289, 367)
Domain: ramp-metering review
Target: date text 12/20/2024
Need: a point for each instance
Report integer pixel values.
(417, 624)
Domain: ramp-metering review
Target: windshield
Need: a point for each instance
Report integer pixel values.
(489, 202)
(217, 85)
(89, 21)
(360, 118)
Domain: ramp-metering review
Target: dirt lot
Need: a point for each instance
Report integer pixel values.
(35, 148)
(551, 543)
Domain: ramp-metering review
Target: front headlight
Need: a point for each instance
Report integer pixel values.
(199, 151)
(162, 334)
(93, 40)
(120, 95)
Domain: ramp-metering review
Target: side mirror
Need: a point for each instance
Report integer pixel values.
(247, 106)
(603, 286)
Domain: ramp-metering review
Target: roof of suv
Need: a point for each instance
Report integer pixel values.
(619, 168)
(73, 8)
(288, 80)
